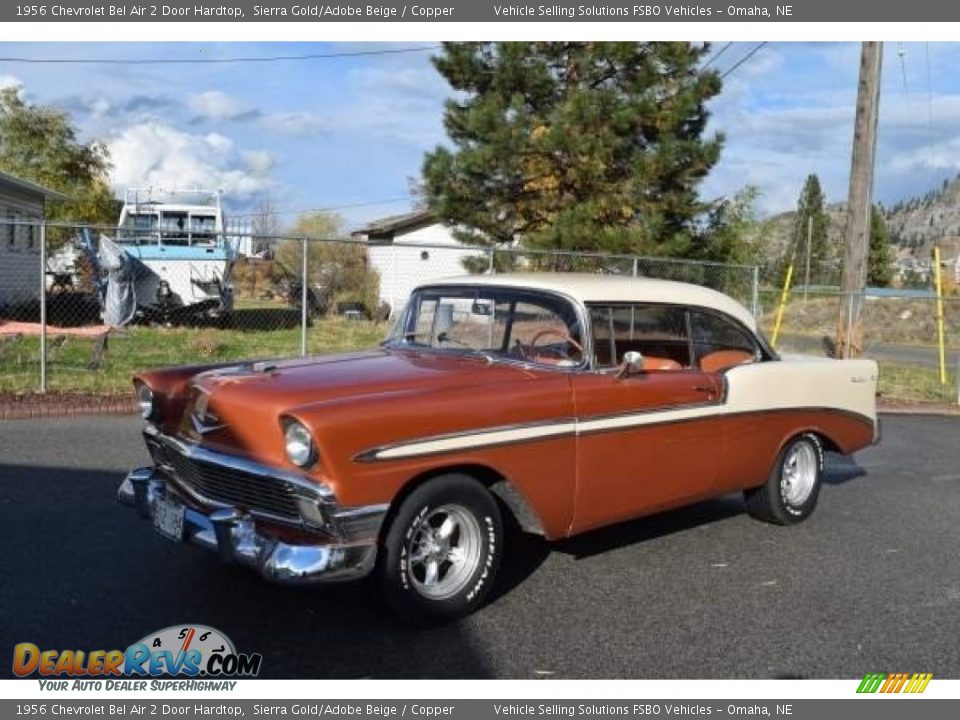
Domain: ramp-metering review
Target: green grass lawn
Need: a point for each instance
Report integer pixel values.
(908, 382)
(150, 347)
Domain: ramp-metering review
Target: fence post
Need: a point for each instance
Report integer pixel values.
(303, 299)
(636, 268)
(43, 307)
(490, 265)
(755, 291)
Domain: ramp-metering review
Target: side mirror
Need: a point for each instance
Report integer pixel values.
(632, 364)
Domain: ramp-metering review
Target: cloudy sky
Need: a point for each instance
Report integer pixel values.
(348, 132)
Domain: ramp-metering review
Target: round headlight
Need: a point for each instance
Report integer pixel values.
(299, 444)
(145, 400)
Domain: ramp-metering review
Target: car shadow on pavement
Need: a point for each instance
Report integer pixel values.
(839, 469)
(627, 533)
(81, 571)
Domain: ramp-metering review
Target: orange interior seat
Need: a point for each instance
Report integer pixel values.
(658, 363)
(721, 360)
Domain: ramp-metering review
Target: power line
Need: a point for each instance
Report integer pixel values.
(933, 145)
(902, 54)
(716, 56)
(329, 208)
(744, 59)
(212, 61)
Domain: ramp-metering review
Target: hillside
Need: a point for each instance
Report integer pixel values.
(914, 225)
(917, 223)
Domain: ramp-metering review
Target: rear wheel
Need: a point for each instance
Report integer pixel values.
(790, 494)
(441, 551)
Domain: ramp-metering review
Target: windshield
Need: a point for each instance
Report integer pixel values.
(497, 322)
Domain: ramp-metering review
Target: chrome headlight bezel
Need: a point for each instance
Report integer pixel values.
(146, 400)
(298, 444)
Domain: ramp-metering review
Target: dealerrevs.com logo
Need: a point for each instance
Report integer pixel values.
(190, 651)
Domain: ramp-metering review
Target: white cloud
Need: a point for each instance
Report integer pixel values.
(293, 122)
(158, 155)
(215, 105)
(260, 162)
(99, 107)
(11, 81)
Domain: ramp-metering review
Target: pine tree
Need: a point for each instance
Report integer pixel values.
(574, 145)
(879, 270)
(813, 221)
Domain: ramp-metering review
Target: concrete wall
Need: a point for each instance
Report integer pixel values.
(19, 246)
(402, 267)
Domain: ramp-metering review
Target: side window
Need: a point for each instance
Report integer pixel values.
(659, 333)
(11, 231)
(718, 343)
(31, 233)
(423, 332)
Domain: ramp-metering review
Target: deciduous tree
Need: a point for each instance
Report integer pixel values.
(40, 144)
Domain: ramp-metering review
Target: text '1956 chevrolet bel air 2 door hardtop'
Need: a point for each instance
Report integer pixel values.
(558, 403)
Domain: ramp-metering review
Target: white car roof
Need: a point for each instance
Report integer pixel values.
(596, 288)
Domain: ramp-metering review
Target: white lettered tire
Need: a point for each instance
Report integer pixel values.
(441, 551)
(790, 494)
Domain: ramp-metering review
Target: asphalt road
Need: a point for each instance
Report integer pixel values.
(871, 583)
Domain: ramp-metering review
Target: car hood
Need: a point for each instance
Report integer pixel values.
(240, 406)
(288, 384)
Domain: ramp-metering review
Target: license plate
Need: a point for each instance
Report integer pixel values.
(168, 518)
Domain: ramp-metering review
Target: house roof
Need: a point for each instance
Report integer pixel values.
(397, 223)
(593, 288)
(30, 186)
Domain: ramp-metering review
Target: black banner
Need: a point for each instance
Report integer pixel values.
(476, 11)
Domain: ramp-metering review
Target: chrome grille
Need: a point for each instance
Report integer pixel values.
(231, 486)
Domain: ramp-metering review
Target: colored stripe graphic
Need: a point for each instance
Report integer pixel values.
(894, 683)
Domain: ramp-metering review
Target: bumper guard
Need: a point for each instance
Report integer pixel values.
(233, 535)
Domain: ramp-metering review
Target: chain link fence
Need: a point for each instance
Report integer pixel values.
(286, 296)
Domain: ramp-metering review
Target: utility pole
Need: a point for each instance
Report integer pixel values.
(857, 234)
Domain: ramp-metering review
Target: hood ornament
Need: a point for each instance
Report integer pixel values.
(201, 418)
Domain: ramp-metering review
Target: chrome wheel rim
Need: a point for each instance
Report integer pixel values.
(443, 551)
(799, 474)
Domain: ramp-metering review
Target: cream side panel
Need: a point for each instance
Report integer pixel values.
(848, 385)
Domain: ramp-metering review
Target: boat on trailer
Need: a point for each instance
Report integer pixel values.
(182, 254)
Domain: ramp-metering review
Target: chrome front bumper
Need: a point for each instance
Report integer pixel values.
(345, 550)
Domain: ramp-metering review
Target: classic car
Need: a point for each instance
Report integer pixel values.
(553, 403)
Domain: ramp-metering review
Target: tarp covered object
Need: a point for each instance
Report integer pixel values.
(120, 302)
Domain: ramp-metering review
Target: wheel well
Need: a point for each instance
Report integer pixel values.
(512, 503)
(828, 444)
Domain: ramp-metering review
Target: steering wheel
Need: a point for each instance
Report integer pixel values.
(546, 333)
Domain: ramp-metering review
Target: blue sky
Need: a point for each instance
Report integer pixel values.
(347, 131)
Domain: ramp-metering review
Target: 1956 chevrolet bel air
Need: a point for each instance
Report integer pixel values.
(558, 403)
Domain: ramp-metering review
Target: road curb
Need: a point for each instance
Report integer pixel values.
(43, 406)
(933, 411)
(25, 407)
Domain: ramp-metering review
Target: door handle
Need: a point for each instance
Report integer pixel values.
(704, 388)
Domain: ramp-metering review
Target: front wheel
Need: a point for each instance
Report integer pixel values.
(441, 551)
(791, 492)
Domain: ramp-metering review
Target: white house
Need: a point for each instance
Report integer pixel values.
(411, 249)
(21, 201)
